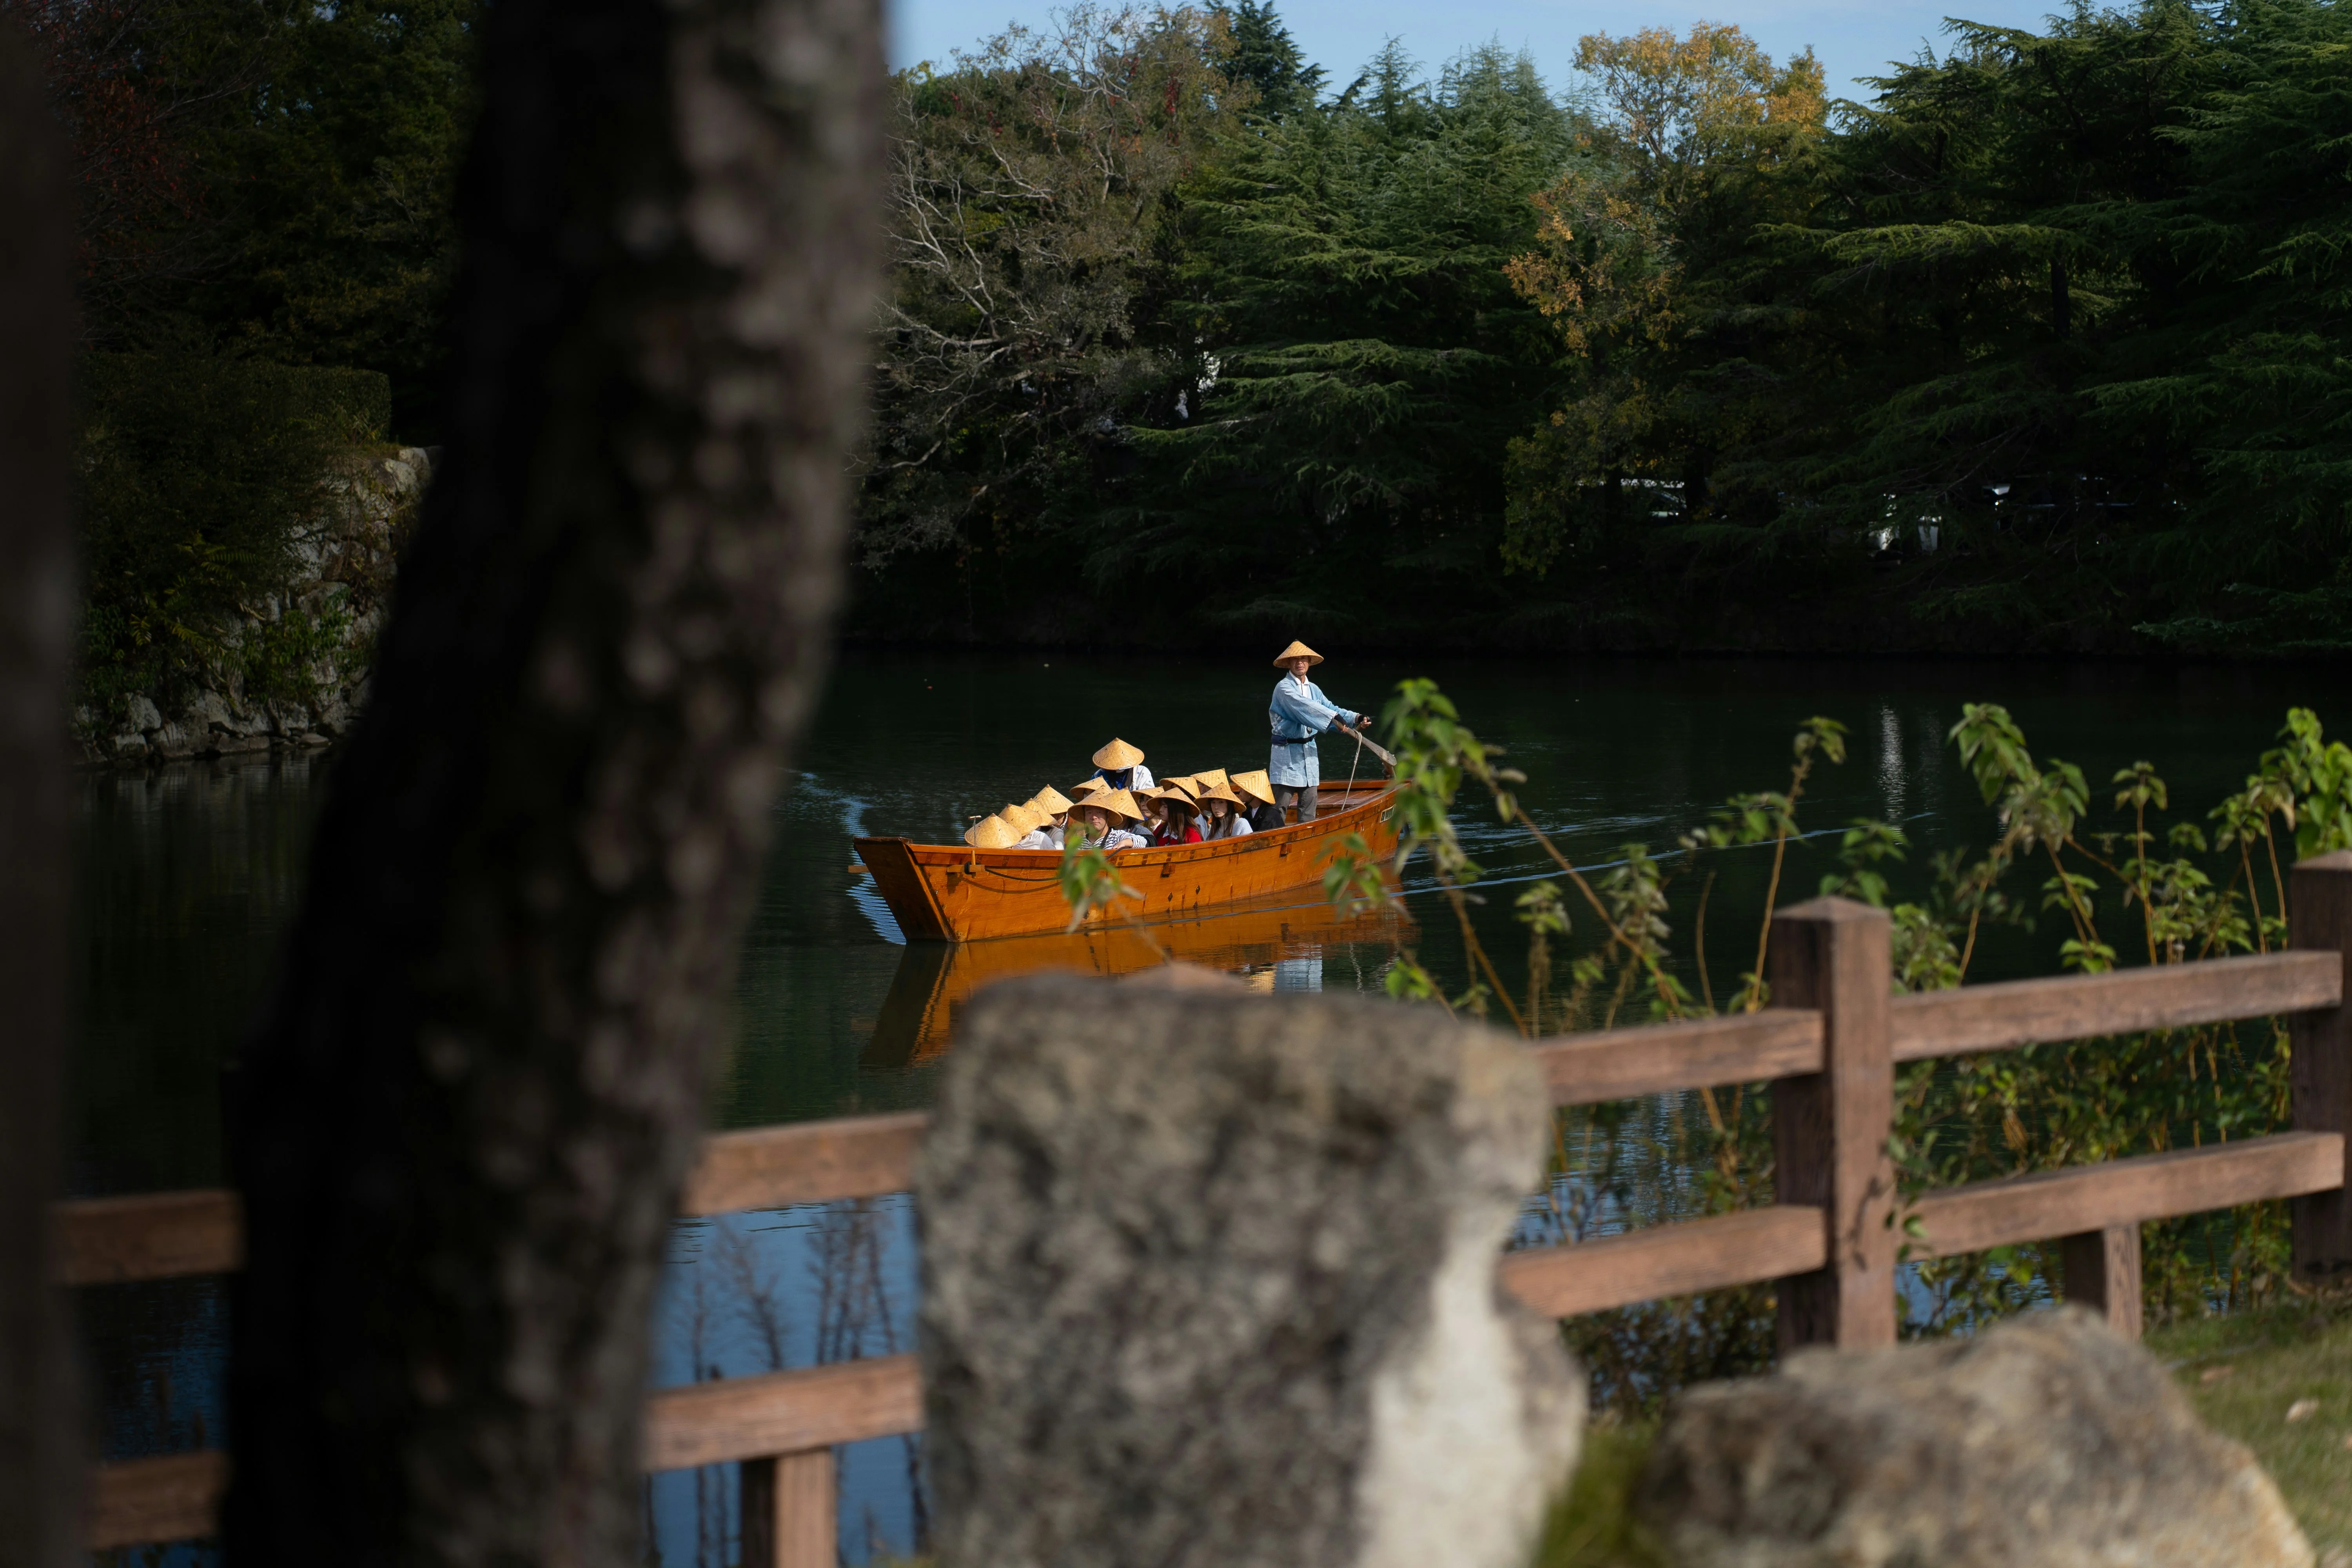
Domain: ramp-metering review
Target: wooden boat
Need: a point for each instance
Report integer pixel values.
(951, 892)
(919, 1018)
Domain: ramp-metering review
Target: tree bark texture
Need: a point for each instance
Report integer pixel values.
(462, 1123)
(40, 1447)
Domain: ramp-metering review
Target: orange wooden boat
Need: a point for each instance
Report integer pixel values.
(951, 892)
(919, 1017)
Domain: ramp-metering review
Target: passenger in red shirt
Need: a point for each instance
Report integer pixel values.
(1172, 812)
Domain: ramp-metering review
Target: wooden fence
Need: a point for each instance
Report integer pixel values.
(1829, 1044)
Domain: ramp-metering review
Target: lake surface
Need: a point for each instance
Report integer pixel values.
(188, 878)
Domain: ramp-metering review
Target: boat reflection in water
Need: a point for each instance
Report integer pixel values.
(1278, 943)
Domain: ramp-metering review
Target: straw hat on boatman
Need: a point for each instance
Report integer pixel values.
(1120, 765)
(1298, 713)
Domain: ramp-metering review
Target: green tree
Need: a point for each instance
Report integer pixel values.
(1357, 358)
(1024, 322)
(1265, 56)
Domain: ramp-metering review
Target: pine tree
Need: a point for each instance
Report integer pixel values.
(1265, 56)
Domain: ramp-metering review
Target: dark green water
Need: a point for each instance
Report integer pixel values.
(188, 878)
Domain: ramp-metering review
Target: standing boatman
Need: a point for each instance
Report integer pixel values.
(1299, 713)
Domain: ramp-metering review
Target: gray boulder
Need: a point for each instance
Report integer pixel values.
(140, 714)
(1210, 1282)
(2047, 1440)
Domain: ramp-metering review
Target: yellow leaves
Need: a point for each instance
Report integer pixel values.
(1685, 101)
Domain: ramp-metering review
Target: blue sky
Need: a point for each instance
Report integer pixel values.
(1853, 37)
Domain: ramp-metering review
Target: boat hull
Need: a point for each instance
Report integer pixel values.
(949, 892)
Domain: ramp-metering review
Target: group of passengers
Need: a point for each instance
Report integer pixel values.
(1121, 808)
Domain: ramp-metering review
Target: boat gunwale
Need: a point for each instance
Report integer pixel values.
(953, 855)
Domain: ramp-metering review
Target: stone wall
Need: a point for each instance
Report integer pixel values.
(345, 563)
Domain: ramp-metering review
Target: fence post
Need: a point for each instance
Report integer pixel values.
(2319, 916)
(1830, 1128)
(2100, 1270)
(787, 1511)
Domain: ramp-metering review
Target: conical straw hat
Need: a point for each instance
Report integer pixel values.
(1296, 651)
(1221, 792)
(1209, 778)
(1176, 798)
(991, 832)
(1050, 801)
(1117, 802)
(1023, 817)
(1256, 784)
(1116, 754)
(1186, 782)
(1086, 787)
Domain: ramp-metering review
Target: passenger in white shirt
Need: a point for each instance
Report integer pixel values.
(1221, 814)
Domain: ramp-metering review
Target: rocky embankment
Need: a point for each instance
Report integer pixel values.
(342, 584)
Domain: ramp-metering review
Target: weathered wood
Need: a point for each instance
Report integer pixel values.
(173, 1497)
(1829, 1129)
(2319, 919)
(41, 1429)
(2100, 1270)
(148, 1236)
(2015, 1013)
(1618, 1064)
(788, 1512)
(782, 1412)
(1675, 1259)
(805, 1163)
(2127, 1192)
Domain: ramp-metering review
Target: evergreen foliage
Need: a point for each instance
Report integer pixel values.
(1264, 55)
(265, 243)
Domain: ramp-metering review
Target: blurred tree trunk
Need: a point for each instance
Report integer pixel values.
(40, 1446)
(463, 1120)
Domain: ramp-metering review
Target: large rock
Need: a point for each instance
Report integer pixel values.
(2047, 1440)
(1210, 1282)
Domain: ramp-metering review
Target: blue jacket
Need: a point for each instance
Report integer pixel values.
(1301, 712)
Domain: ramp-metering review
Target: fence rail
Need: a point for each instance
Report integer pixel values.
(1831, 1244)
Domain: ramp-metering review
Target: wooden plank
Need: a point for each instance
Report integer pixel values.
(1829, 1128)
(148, 1236)
(2100, 1270)
(2075, 1007)
(160, 1236)
(2127, 1192)
(173, 1497)
(805, 1163)
(1668, 1260)
(782, 1412)
(2319, 919)
(788, 1512)
(1618, 1064)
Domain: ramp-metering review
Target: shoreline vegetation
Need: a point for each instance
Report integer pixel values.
(2118, 875)
(2032, 347)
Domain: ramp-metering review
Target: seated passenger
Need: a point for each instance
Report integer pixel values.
(1175, 825)
(1030, 822)
(1120, 766)
(991, 832)
(1258, 789)
(1054, 807)
(1112, 817)
(1221, 814)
